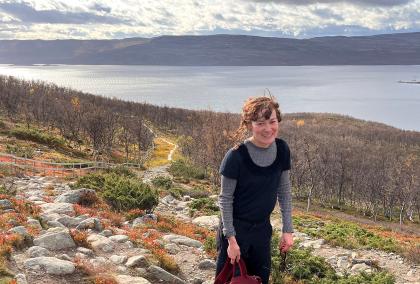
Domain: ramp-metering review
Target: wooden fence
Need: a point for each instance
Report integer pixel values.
(33, 167)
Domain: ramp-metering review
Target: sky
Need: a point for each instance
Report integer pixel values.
(116, 19)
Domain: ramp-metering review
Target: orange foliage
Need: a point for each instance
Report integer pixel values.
(80, 238)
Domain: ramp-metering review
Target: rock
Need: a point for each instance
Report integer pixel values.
(50, 265)
(211, 222)
(21, 278)
(5, 204)
(368, 262)
(85, 251)
(64, 257)
(197, 281)
(55, 240)
(34, 223)
(128, 244)
(186, 198)
(98, 262)
(168, 199)
(21, 231)
(126, 279)
(207, 264)
(343, 262)
(106, 233)
(100, 243)
(172, 248)
(91, 223)
(182, 240)
(122, 269)
(54, 224)
(119, 238)
(149, 218)
(59, 208)
(118, 259)
(37, 251)
(316, 244)
(357, 268)
(69, 222)
(50, 216)
(164, 275)
(74, 196)
(138, 222)
(137, 261)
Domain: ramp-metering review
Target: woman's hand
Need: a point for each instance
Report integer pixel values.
(286, 242)
(233, 250)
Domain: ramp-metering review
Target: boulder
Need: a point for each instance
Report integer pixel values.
(126, 279)
(55, 240)
(59, 208)
(50, 265)
(182, 240)
(74, 196)
(211, 222)
(164, 275)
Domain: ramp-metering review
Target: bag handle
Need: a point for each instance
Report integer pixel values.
(226, 274)
(242, 268)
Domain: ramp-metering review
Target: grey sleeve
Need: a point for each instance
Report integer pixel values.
(225, 205)
(284, 195)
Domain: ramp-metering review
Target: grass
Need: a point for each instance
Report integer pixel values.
(302, 267)
(184, 169)
(342, 233)
(160, 154)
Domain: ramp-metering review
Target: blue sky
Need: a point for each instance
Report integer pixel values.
(107, 19)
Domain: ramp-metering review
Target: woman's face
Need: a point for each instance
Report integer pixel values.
(264, 131)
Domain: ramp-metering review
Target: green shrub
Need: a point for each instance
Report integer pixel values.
(210, 245)
(26, 152)
(121, 170)
(181, 168)
(345, 234)
(37, 136)
(128, 193)
(162, 182)
(94, 181)
(205, 205)
(195, 192)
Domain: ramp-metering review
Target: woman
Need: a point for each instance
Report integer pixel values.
(254, 175)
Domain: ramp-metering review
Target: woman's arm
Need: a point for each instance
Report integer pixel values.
(226, 205)
(284, 195)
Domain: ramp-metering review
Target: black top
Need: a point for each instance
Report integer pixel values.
(255, 194)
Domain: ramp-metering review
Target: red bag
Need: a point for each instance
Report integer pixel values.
(226, 276)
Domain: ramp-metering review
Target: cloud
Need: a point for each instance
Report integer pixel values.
(356, 2)
(132, 18)
(101, 8)
(28, 14)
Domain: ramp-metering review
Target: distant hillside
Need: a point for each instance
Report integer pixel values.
(218, 50)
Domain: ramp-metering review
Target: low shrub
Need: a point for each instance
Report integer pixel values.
(122, 171)
(162, 182)
(94, 181)
(128, 193)
(80, 238)
(20, 151)
(205, 205)
(35, 135)
(210, 246)
(88, 199)
(181, 168)
(345, 234)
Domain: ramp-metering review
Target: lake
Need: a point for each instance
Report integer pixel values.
(366, 92)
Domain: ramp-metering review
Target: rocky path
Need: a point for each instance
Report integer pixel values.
(54, 256)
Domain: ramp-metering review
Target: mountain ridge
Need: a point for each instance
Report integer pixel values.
(218, 50)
